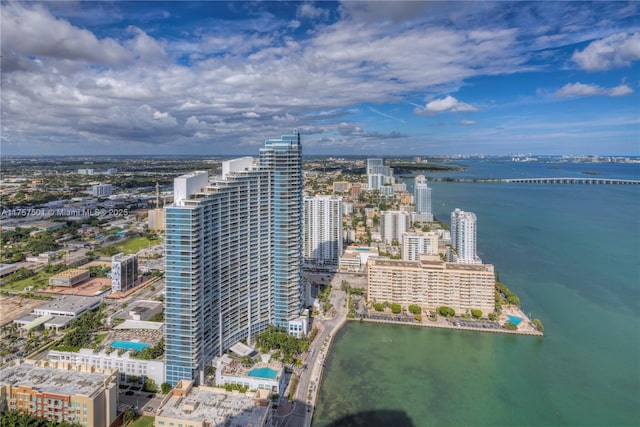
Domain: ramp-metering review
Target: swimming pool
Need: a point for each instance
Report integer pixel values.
(514, 319)
(263, 373)
(130, 345)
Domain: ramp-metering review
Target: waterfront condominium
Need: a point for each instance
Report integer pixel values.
(378, 175)
(322, 230)
(422, 199)
(283, 158)
(463, 237)
(431, 283)
(232, 256)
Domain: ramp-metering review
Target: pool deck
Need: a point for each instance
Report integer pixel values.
(524, 328)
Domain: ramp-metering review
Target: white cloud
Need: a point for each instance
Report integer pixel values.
(309, 11)
(60, 80)
(615, 51)
(447, 104)
(574, 90)
(621, 90)
(32, 30)
(468, 122)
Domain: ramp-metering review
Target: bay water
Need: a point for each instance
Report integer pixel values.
(571, 253)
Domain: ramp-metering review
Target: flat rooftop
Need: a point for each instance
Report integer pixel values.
(217, 407)
(68, 274)
(69, 303)
(52, 380)
(139, 324)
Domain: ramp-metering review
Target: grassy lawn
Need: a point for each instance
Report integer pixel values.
(134, 244)
(40, 280)
(99, 338)
(144, 421)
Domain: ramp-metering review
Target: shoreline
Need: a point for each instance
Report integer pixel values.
(450, 326)
(318, 368)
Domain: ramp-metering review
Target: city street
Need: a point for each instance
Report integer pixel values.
(310, 377)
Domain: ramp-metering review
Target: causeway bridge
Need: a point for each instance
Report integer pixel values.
(578, 180)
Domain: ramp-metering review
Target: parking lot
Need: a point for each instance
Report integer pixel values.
(139, 400)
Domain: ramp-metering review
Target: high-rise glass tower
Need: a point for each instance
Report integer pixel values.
(284, 158)
(463, 237)
(422, 199)
(232, 256)
(379, 175)
(322, 230)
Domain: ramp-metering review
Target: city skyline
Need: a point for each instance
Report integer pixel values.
(369, 78)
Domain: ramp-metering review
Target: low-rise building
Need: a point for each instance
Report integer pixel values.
(60, 392)
(431, 283)
(265, 375)
(144, 310)
(125, 365)
(68, 305)
(189, 406)
(355, 258)
(70, 277)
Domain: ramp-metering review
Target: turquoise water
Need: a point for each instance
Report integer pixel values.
(571, 253)
(263, 373)
(130, 345)
(515, 319)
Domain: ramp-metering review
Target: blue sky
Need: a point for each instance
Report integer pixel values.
(362, 78)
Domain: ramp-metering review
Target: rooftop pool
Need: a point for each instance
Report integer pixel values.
(263, 373)
(514, 319)
(130, 345)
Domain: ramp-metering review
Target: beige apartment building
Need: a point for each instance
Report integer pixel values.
(189, 406)
(61, 392)
(431, 283)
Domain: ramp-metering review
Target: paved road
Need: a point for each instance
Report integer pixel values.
(301, 416)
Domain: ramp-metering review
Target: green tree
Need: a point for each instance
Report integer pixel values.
(513, 299)
(378, 306)
(493, 316)
(446, 311)
(396, 308)
(538, 324)
(165, 388)
(129, 415)
(415, 309)
(509, 325)
(150, 386)
(476, 313)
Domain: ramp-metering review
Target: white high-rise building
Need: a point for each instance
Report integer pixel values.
(233, 256)
(463, 237)
(323, 230)
(99, 190)
(393, 224)
(379, 175)
(415, 244)
(422, 199)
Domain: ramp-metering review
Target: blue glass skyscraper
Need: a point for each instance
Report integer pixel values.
(233, 251)
(284, 157)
